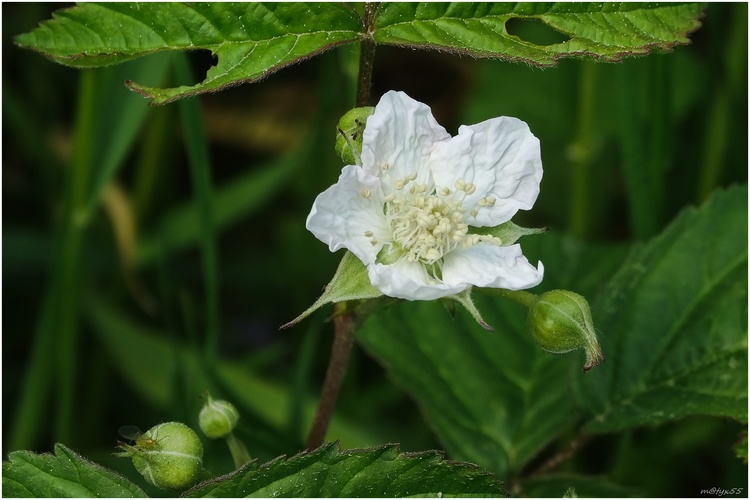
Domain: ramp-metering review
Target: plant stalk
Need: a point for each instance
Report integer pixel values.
(576, 444)
(343, 340)
(237, 448)
(366, 56)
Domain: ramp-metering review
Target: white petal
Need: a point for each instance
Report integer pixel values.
(399, 135)
(341, 215)
(410, 281)
(491, 266)
(501, 157)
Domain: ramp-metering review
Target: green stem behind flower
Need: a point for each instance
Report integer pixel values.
(582, 153)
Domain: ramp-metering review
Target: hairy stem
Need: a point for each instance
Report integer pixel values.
(345, 329)
(526, 299)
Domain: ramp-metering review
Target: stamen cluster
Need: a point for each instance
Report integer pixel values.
(427, 223)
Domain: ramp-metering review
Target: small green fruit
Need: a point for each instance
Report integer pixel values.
(349, 134)
(217, 418)
(560, 321)
(169, 455)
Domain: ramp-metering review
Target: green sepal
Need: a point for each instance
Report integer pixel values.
(508, 232)
(350, 282)
(464, 298)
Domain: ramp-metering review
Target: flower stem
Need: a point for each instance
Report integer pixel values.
(343, 340)
(526, 299)
(237, 448)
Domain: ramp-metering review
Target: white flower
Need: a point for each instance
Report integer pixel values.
(409, 210)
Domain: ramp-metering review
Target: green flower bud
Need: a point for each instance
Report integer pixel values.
(169, 455)
(217, 418)
(349, 134)
(560, 321)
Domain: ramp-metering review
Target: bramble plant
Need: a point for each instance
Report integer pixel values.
(436, 282)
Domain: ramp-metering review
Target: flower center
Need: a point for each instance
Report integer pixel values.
(425, 226)
(427, 223)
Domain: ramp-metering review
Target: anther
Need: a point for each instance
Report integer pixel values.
(365, 193)
(369, 234)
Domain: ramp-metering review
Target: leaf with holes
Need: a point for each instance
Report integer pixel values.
(675, 324)
(375, 472)
(607, 31)
(64, 474)
(251, 40)
(494, 399)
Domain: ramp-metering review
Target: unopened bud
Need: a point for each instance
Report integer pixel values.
(168, 455)
(217, 418)
(560, 321)
(349, 134)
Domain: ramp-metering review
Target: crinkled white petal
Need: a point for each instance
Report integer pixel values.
(409, 280)
(490, 266)
(501, 157)
(341, 215)
(400, 136)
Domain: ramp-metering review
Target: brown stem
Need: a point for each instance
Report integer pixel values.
(366, 56)
(562, 456)
(343, 340)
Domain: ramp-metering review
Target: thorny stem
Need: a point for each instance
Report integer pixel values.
(345, 329)
(345, 320)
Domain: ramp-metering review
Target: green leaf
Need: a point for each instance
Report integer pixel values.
(674, 324)
(559, 485)
(250, 40)
(494, 399)
(375, 472)
(607, 31)
(64, 474)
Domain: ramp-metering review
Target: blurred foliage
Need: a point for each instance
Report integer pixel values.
(106, 322)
